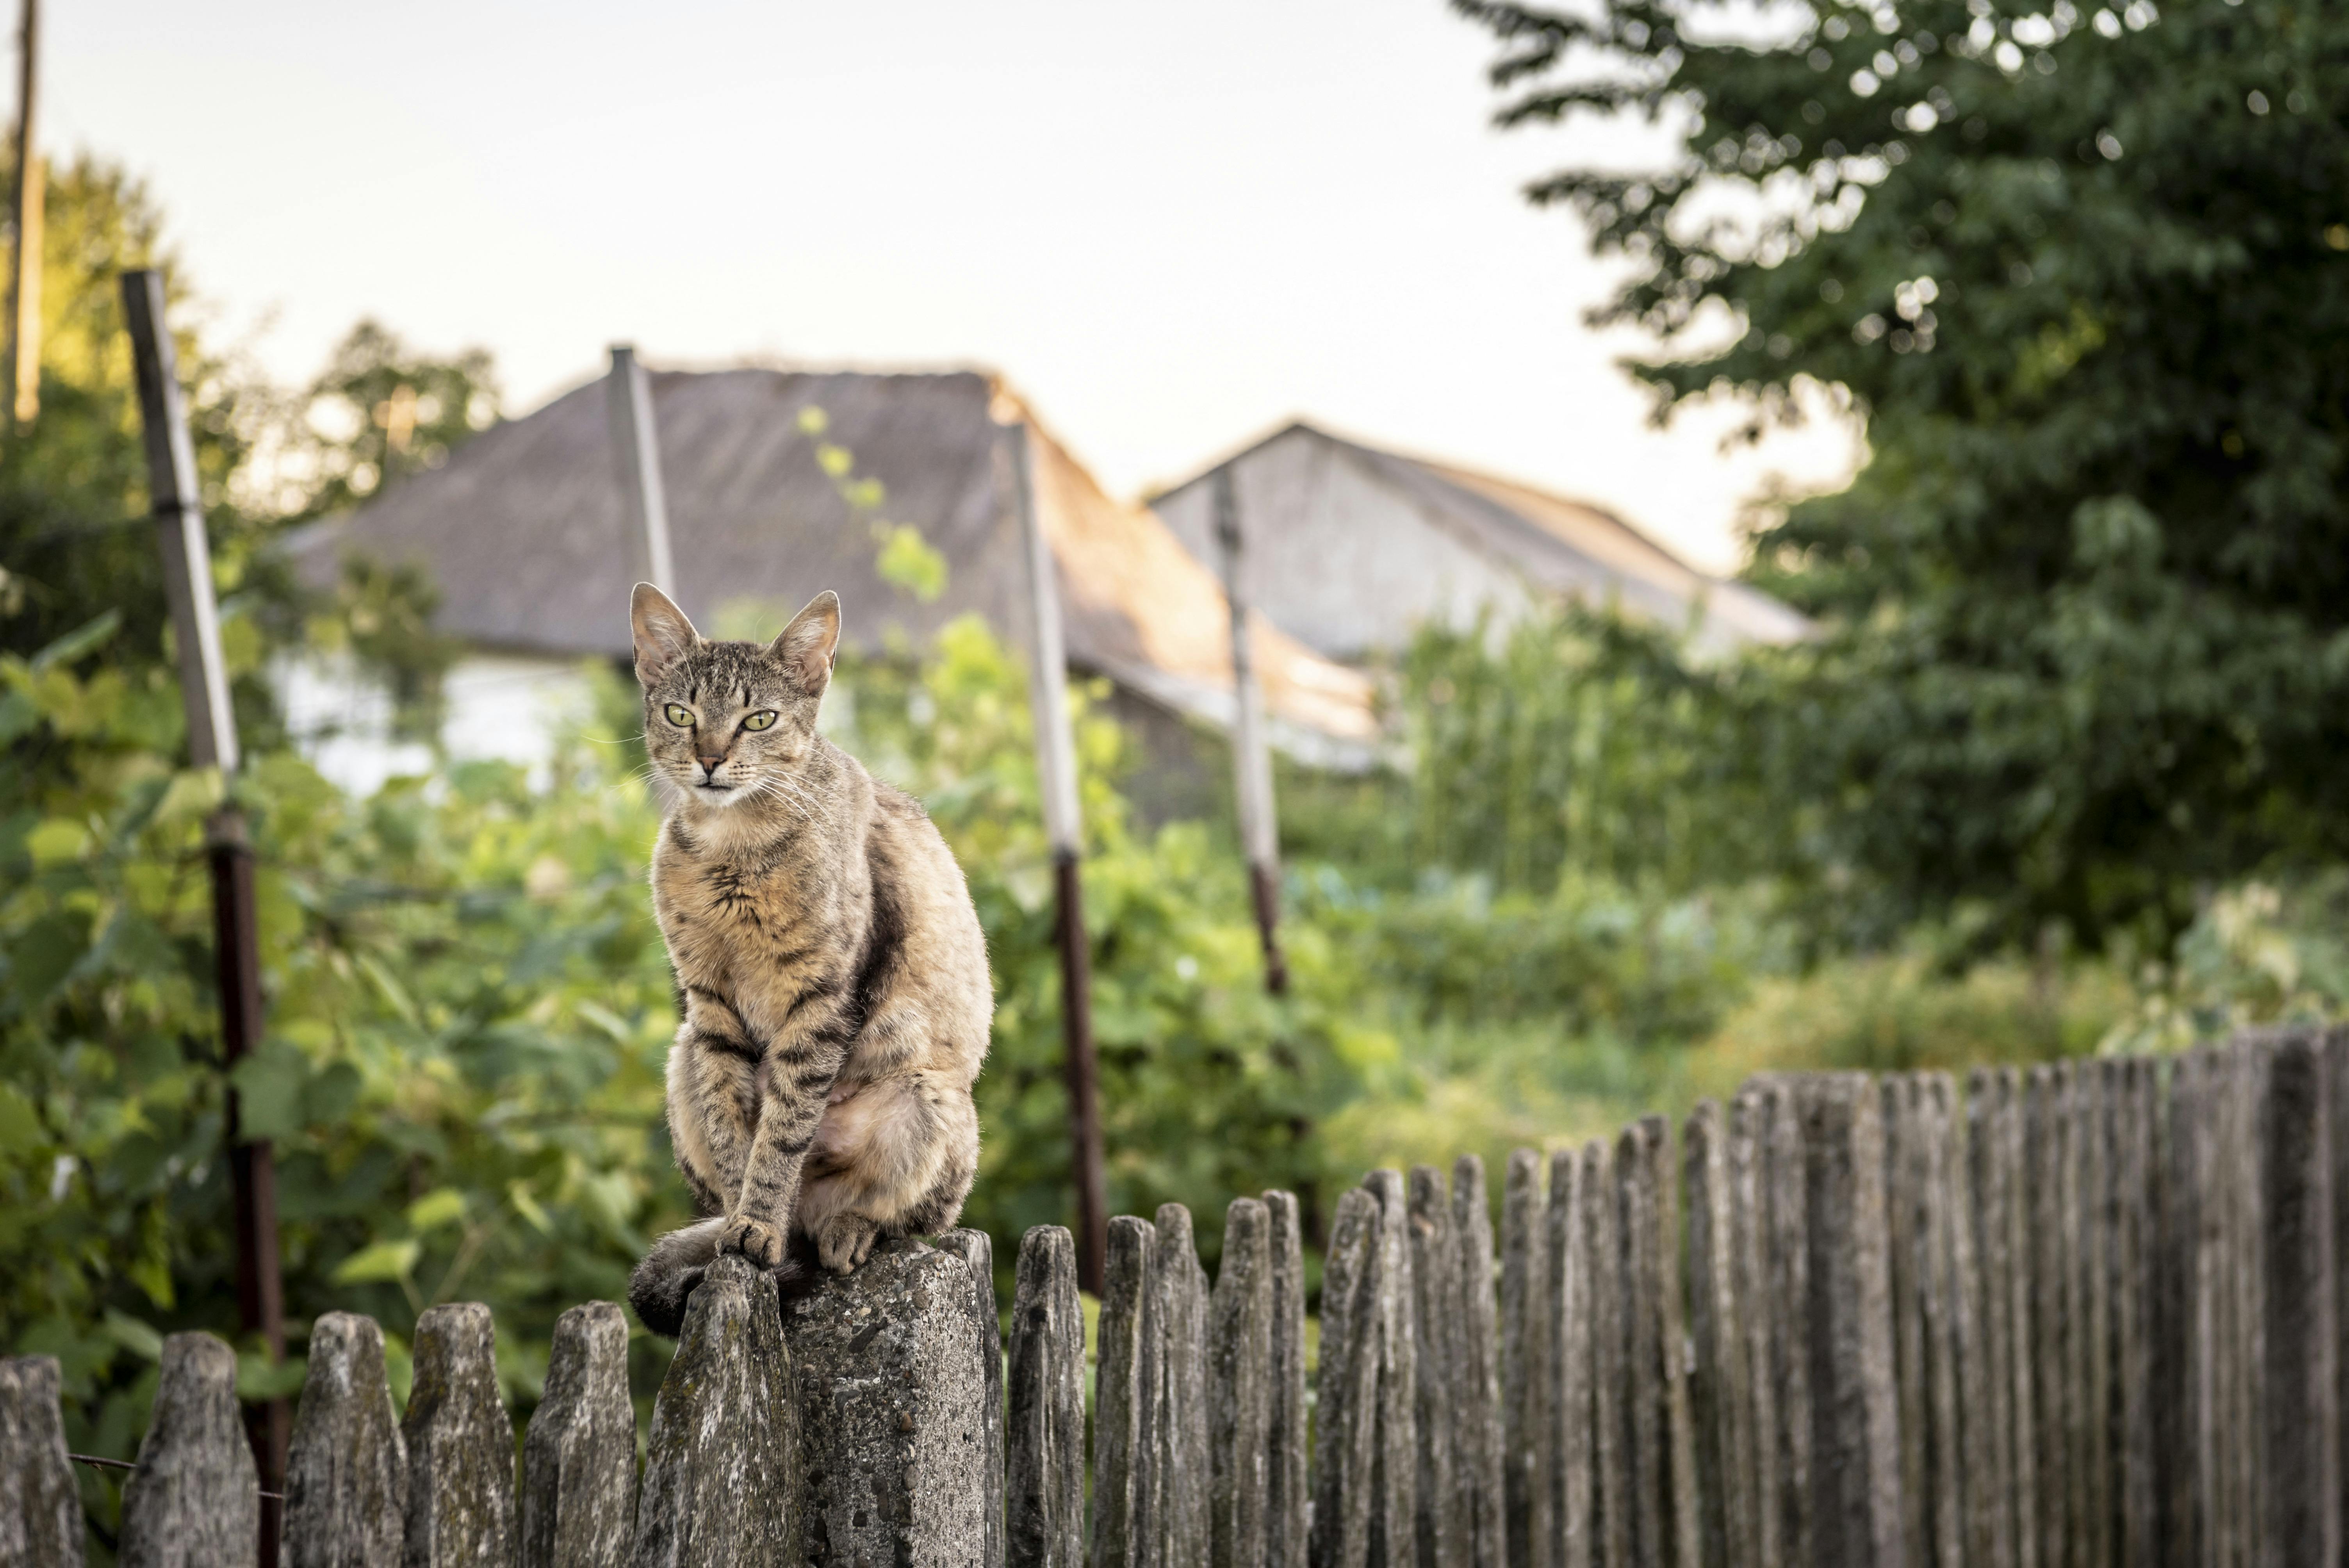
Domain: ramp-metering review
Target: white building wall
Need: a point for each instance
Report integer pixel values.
(1338, 559)
(501, 707)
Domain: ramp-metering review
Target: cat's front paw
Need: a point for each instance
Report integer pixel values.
(846, 1241)
(756, 1240)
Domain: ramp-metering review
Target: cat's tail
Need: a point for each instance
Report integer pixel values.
(664, 1280)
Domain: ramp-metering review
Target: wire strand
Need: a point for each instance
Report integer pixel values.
(126, 1465)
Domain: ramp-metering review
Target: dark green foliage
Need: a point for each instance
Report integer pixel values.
(2086, 277)
(1585, 744)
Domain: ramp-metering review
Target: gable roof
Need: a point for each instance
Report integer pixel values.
(1560, 546)
(526, 537)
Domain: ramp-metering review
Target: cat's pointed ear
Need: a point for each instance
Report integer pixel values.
(807, 645)
(663, 634)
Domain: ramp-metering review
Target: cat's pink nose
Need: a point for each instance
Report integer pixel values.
(711, 764)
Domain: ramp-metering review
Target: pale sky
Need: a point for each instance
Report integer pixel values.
(1172, 229)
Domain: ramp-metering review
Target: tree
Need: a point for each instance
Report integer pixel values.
(381, 411)
(74, 537)
(2087, 278)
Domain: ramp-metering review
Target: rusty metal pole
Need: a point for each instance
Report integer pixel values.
(212, 743)
(635, 441)
(29, 202)
(1251, 754)
(1056, 764)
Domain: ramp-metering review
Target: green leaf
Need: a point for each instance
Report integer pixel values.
(378, 1262)
(429, 1213)
(269, 1085)
(528, 1208)
(46, 955)
(330, 1095)
(390, 988)
(259, 1380)
(57, 841)
(18, 714)
(606, 1020)
(141, 1339)
(20, 1123)
(908, 561)
(86, 638)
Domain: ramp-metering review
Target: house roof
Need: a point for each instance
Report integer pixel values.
(1561, 546)
(526, 535)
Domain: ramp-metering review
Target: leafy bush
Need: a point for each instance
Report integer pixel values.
(2256, 954)
(468, 1007)
(1581, 742)
(1907, 1010)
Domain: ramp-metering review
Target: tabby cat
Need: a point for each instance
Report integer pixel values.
(834, 978)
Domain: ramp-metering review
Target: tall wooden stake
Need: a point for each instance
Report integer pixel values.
(1056, 767)
(628, 400)
(1251, 756)
(212, 743)
(25, 277)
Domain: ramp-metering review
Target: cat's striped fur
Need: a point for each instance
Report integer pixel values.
(834, 974)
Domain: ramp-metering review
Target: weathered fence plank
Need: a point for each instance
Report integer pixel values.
(1178, 1480)
(1664, 1456)
(1612, 1531)
(2197, 1118)
(347, 1467)
(1346, 1402)
(1950, 1344)
(1239, 1388)
(2299, 1394)
(2045, 1124)
(2090, 1311)
(721, 1459)
(1790, 1367)
(893, 1413)
(2176, 1225)
(1479, 1432)
(976, 1249)
(2001, 1231)
(2229, 1289)
(194, 1500)
(1642, 1385)
(1931, 1317)
(1719, 1398)
(1044, 1457)
(1122, 1394)
(1438, 1374)
(579, 1453)
(1288, 1494)
(1526, 1335)
(2336, 1049)
(1855, 1466)
(1756, 1393)
(461, 1447)
(40, 1508)
(2130, 1107)
(1906, 1222)
(1394, 1469)
(1989, 1370)
(1573, 1479)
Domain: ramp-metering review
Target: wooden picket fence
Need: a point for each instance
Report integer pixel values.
(2083, 1315)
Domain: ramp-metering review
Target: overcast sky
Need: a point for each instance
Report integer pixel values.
(1172, 228)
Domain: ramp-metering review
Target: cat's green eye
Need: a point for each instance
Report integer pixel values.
(679, 715)
(760, 720)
